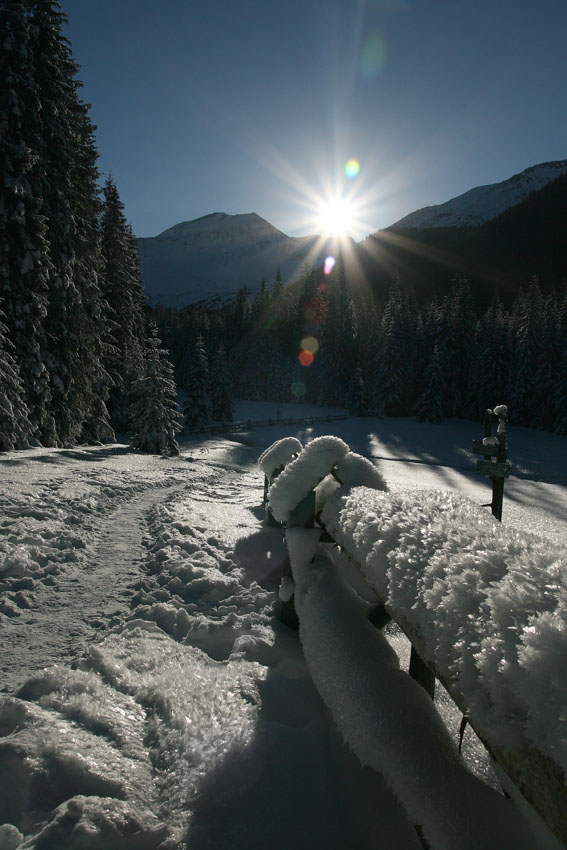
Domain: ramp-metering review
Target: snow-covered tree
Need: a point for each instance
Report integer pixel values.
(395, 380)
(66, 177)
(123, 293)
(24, 251)
(197, 407)
(154, 412)
(15, 426)
(429, 406)
(221, 398)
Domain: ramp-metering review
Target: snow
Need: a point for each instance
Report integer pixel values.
(152, 699)
(278, 454)
(383, 715)
(484, 202)
(304, 473)
(488, 601)
(209, 257)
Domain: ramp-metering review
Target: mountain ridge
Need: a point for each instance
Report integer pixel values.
(483, 203)
(213, 256)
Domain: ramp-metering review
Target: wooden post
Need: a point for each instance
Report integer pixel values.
(302, 516)
(496, 470)
(498, 483)
(419, 671)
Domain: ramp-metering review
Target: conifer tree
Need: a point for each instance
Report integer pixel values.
(526, 326)
(15, 426)
(123, 293)
(154, 412)
(197, 407)
(395, 381)
(429, 405)
(24, 259)
(66, 177)
(221, 398)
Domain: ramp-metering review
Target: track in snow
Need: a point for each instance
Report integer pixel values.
(88, 595)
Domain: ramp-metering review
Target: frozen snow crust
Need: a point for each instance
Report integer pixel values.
(488, 600)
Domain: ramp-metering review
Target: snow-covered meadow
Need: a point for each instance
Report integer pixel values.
(151, 698)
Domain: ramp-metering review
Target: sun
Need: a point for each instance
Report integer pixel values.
(336, 217)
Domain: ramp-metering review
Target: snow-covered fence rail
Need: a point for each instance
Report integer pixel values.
(483, 605)
(248, 424)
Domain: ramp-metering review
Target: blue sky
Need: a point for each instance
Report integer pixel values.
(256, 105)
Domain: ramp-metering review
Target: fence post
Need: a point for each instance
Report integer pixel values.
(419, 671)
(302, 516)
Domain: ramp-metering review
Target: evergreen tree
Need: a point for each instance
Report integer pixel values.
(24, 259)
(221, 398)
(429, 406)
(527, 326)
(197, 407)
(154, 412)
(66, 177)
(123, 293)
(15, 426)
(394, 392)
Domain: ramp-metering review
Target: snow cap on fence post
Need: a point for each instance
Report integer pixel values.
(303, 473)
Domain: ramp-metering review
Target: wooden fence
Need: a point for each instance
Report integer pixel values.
(249, 424)
(541, 781)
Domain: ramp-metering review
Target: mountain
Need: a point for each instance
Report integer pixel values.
(502, 253)
(213, 256)
(484, 203)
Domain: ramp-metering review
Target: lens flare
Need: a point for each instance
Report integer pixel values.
(329, 265)
(352, 168)
(310, 343)
(306, 358)
(298, 389)
(373, 56)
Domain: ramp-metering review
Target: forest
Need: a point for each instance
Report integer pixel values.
(322, 341)
(81, 356)
(78, 355)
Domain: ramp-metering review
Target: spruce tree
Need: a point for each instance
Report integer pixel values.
(123, 293)
(15, 426)
(221, 398)
(24, 251)
(197, 407)
(429, 406)
(66, 177)
(154, 412)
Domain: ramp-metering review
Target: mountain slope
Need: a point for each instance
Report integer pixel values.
(503, 253)
(484, 202)
(213, 256)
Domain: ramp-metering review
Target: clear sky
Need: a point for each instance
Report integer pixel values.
(245, 106)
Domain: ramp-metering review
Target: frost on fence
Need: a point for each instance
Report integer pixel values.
(387, 718)
(488, 600)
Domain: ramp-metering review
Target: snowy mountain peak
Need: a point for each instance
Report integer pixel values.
(248, 227)
(484, 202)
(215, 255)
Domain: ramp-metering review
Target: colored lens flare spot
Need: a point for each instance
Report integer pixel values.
(373, 56)
(310, 343)
(306, 358)
(298, 389)
(329, 265)
(352, 168)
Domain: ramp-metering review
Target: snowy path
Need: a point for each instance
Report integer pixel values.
(89, 595)
(181, 713)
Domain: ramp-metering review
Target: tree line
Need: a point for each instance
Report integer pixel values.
(396, 356)
(78, 357)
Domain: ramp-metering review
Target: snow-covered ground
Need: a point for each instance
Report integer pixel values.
(151, 699)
